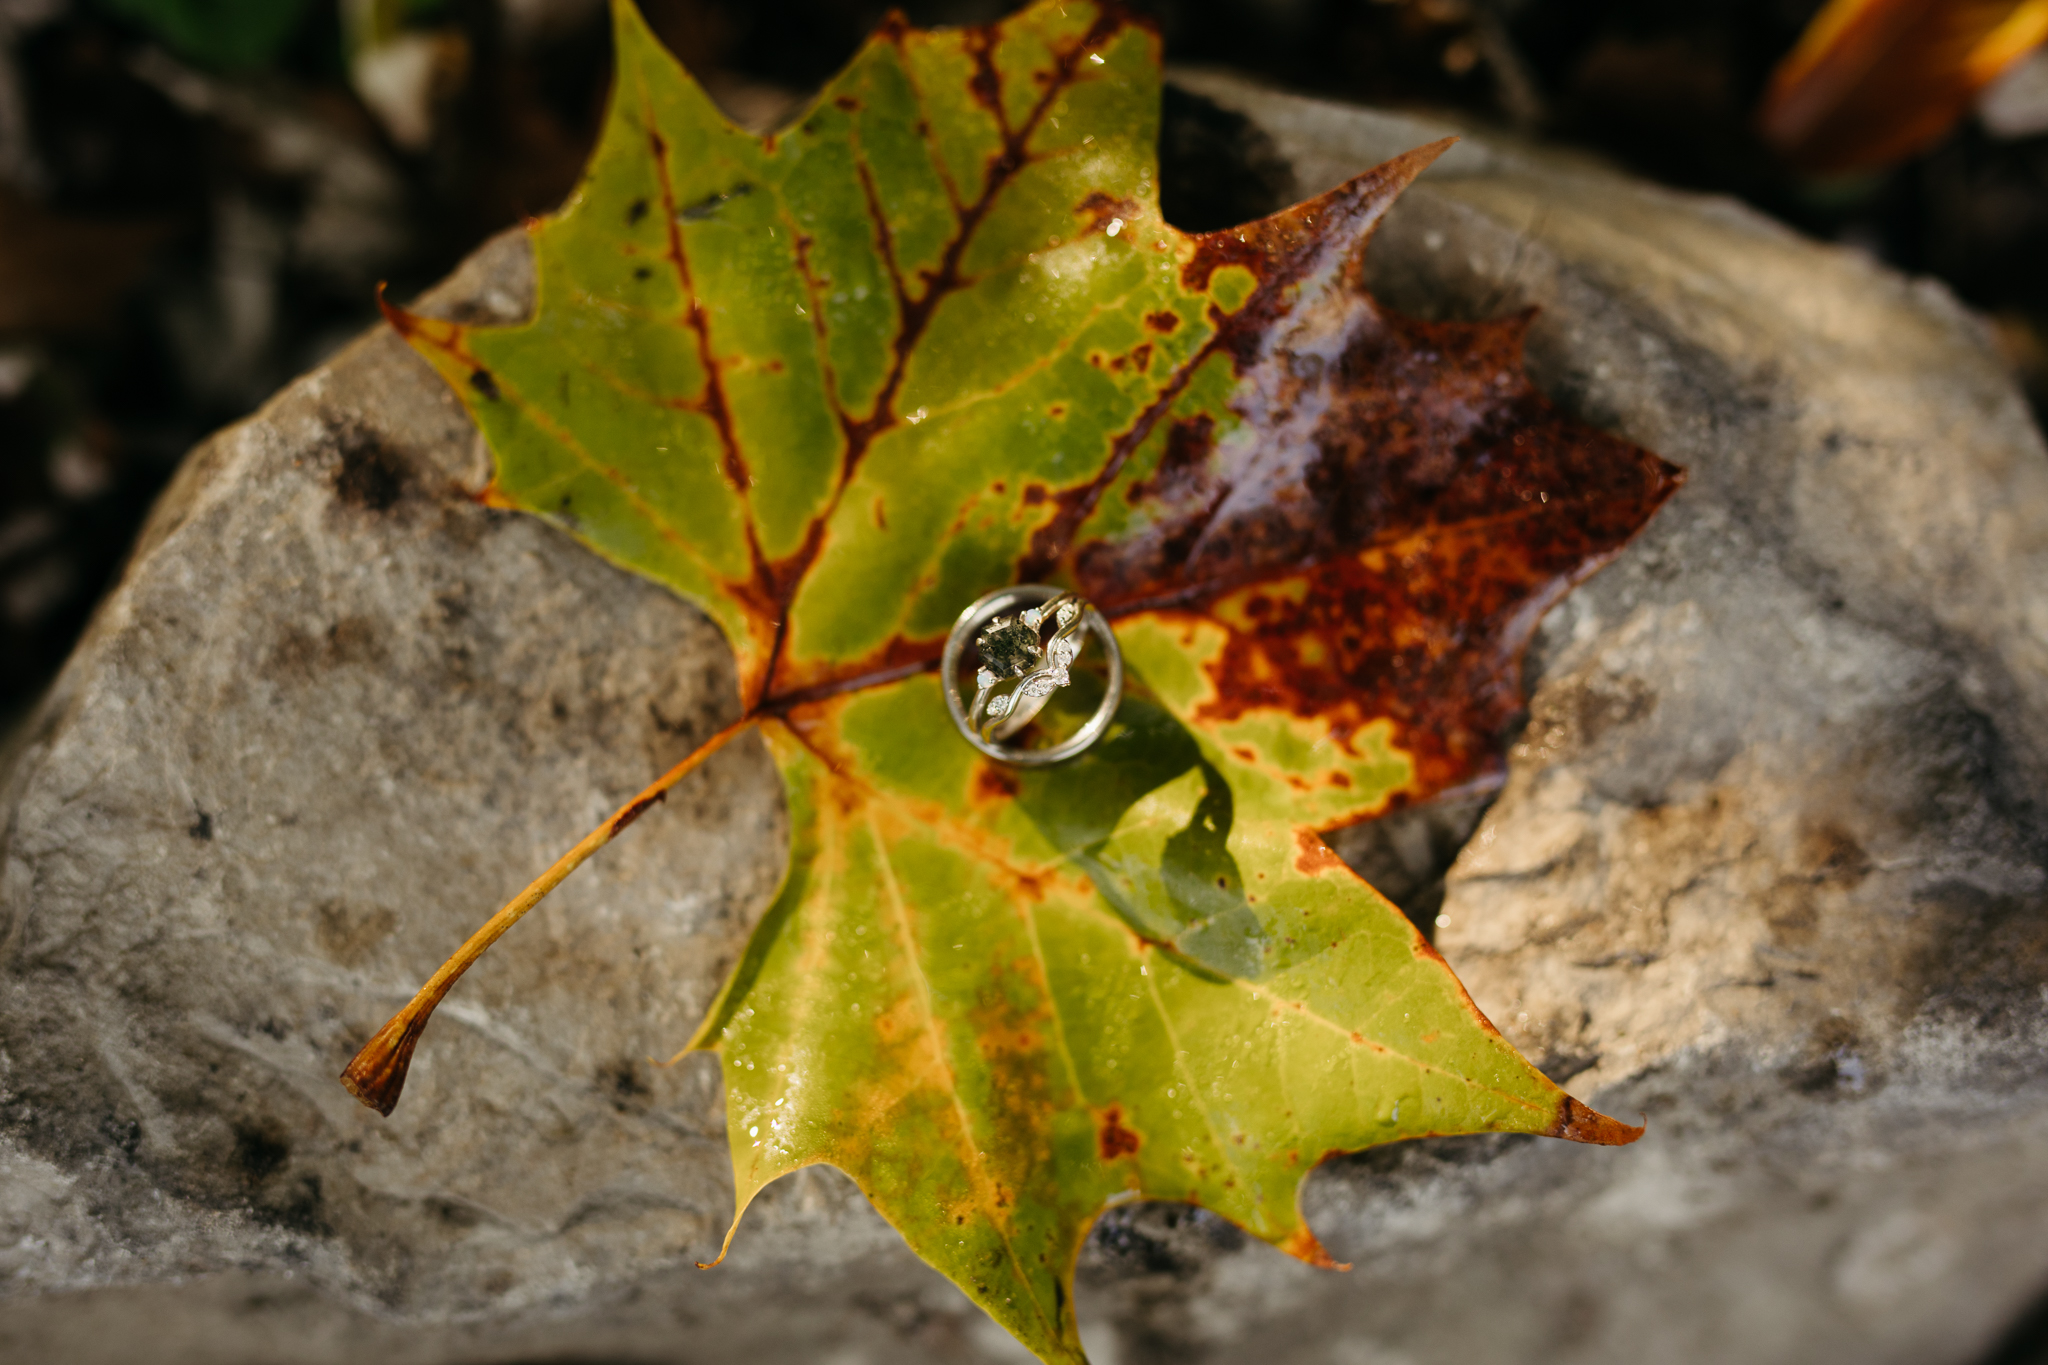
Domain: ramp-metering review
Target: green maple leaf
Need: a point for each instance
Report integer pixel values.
(934, 339)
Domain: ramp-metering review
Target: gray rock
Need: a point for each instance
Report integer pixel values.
(1767, 867)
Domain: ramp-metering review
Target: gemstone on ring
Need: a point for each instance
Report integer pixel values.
(1009, 649)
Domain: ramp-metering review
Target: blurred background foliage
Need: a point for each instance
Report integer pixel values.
(199, 197)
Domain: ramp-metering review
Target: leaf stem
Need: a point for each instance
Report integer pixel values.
(377, 1074)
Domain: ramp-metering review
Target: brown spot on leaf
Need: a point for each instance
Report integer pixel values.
(1112, 1138)
(1182, 483)
(1312, 856)
(485, 383)
(1102, 209)
(1163, 321)
(994, 782)
(984, 85)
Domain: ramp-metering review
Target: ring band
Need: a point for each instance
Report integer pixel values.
(1007, 629)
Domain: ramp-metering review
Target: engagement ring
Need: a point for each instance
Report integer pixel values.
(1024, 639)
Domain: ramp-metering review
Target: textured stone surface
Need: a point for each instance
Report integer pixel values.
(1768, 868)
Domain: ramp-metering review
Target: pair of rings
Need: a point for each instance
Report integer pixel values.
(1024, 640)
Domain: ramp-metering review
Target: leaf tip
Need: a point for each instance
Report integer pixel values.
(1577, 1123)
(492, 496)
(402, 322)
(377, 1075)
(726, 1245)
(1401, 171)
(625, 13)
(1303, 1245)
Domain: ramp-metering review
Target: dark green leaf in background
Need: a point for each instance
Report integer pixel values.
(226, 35)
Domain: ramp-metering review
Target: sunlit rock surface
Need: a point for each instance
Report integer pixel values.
(1768, 867)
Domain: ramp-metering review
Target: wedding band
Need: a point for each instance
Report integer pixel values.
(1024, 639)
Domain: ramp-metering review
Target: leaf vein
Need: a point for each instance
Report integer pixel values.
(1187, 1076)
(970, 1147)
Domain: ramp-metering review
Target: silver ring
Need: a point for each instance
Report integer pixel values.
(1021, 666)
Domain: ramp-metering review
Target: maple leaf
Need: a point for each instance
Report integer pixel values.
(933, 339)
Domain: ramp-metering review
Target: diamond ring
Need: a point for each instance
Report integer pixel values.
(1024, 639)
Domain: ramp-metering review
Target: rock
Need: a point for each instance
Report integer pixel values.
(1767, 867)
